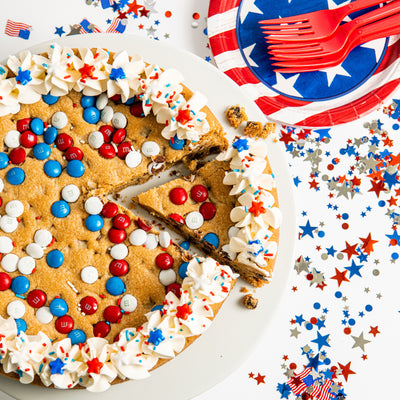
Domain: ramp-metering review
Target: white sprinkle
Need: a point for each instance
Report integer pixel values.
(34, 250)
(164, 238)
(43, 237)
(119, 251)
(194, 220)
(150, 148)
(8, 224)
(70, 193)
(95, 139)
(11, 140)
(6, 245)
(151, 241)
(119, 120)
(128, 303)
(71, 285)
(133, 159)
(26, 265)
(9, 262)
(138, 237)
(93, 205)
(14, 208)
(44, 315)
(167, 276)
(16, 309)
(89, 275)
(59, 120)
(107, 114)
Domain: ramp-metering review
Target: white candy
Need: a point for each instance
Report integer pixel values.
(233, 231)
(95, 139)
(133, 159)
(43, 237)
(151, 241)
(194, 220)
(11, 140)
(93, 205)
(14, 208)
(44, 315)
(128, 303)
(1, 185)
(107, 114)
(59, 120)
(119, 251)
(165, 239)
(101, 101)
(16, 309)
(8, 224)
(6, 245)
(119, 120)
(34, 250)
(89, 274)
(138, 237)
(150, 148)
(9, 262)
(26, 265)
(70, 193)
(167, 276)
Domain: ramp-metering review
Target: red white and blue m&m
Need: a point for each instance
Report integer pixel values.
(116, 235)
(41, 151)
(8, 224)
(77, 336)
(17, 156)
(63, 141)
(26, 265)
(88, 305)
(60, 209)
(50, 135)
(112, 314)
(115, 286)
(167, 277)
(6, 245)
(42, 237)
(20, 284)
(73, 153)
(64, 324)
(28, 139)
(36, 298)
(44, 315)
(164, 239)
(194, 220)
(3, 160)
(59, 120)
(119, 120)
(128, 303)
(178, 195)
(211, 238)
(55, 258)
(34, 250)
(119, 251)
(138, 237)
(164, 261)
(95, 139)
(88, 101)
(16, 309)
(94, 223)
(150, 148)
(119, 267)
(89, 274)
(93, 205)
(58, 307)
(5, 281)
(49, 99)
(37, 126)
(15, 176)
(109, 210)
(70, 193)
(75, 168)
(132, 158)
(9, 262)
(199, 193)
(52, 168)
(14, 208)
(91, 115)
(12, 139)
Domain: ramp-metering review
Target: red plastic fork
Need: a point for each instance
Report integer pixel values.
(379, 29)
(314, 25)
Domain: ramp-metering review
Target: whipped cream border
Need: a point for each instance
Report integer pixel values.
(96, 363)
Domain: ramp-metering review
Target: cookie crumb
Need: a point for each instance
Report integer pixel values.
(236, 115)
(244, 290)
(250, 302)
(256, 129)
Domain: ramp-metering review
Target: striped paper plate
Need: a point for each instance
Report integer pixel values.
(333, 96)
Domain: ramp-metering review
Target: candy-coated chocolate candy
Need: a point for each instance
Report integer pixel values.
(112, 314)
(23, 124)
(49, 99)
(175, 288)
(107, 132)
(144, 225)
(9, 262)
(128, 303)
(95, 139)
(176, 143)
(178, 195)
(199, 193)
(119, 136)
(15, 176)
(106, 150)
(89, 274)
(212, 238)
(182, 271)
(94, 223)
(14, 208)
(16, 309)
(64, 324)
(93, 205)
(137, 109)
(119, 120)
(194, 220)
(130, 101)
(70, 193)
(6, 244)
(208, 210)
(123, 150)
(185, 245)
(91, 115)
(88, 305)
(133, 159)
(116, 235)
(63, 141)
(106, 114)
(60, 209)
(54, 258)
(73, 153)
(164, 261)
(119, 251)
(119, 267)
(58, 307)
(44, 315)
(17, 155)
(41, 151)
(150, 148)
(5, 281)
(138, 237)
(4, 160)
(101, 101)
(77, 336)
(21, 325)
(176, 217)
(121, 221)
(88, 101)
(109, 210)
(101, 329)
(164, 238)
(52, 168)
(20, 284)
(37, 298)
(28, 139)
(59, 120)
(26, 265)
(43, 237)
(50, 135)
(34, 250)
(8, 224)
(151, 241)
(115, 286)
(12, 139)
(75, 168)
(37, 126)
(167, 276)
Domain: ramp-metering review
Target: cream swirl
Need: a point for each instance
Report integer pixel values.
(9, 103)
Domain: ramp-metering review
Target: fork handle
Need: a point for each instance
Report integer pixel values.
(357, 5)
(383, 28)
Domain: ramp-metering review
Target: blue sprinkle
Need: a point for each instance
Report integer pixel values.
(23, 77)
(15, 176)
(117, 73)
(156, 337)
(321, 234)
(309, 326)
(395, 256)
(317, 306)
(368, 307)
(381, 203)
(345, 216)
(240, 145)
(352, 321)
(338, 294)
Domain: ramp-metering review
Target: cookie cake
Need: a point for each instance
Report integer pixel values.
(90, 293)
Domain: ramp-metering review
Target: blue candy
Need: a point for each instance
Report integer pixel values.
(55, 258)
(58, 307)
(94, 223)
(37, 126)
(52, 168)
(75, 168)
(77, 336)
(88, 101)
(157, 308)
(211, 238)
(21, 325)
(115, 286)
(20, 284)
(49, 99)
(50, 135)
(15, 176)
(176, 143)
(91, 115)
(185, 245)
(60, 209)
(3, 160)
(182, 271)
(130, 101)
(41, 151)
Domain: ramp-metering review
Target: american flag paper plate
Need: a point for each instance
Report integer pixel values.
(369, 74)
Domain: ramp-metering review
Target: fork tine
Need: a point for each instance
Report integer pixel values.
(290, 34)
(284, 20)
(293, 47)
(284, 26)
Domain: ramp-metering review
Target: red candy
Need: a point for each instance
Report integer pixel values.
(74, 153)
(88, 305)
(177, 218)
(112, 314)
(119, 267)
(17, 155)
(178, 195)
(5, 281)
(23, 124)
(116, 97)
(137, 109)
(175, 288)
(106, 150)
(101, 329)
(208, 210)
(37, 298)
(121, 221)
(123, 150)
(164, 261)
(28, 139)
(143, 225)
(64, 324)
(116, 235)
(199, 193)
(119, 136)
(109, 210)
(63, 141)
(107, 131)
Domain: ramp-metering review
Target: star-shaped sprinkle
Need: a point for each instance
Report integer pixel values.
(117, 73)
(86, 71)
(57, 366)
(260, 379)
(23, 77)
(240, 145)
(257, 208)
(156, 337)
(374, 330)
(94, 366)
